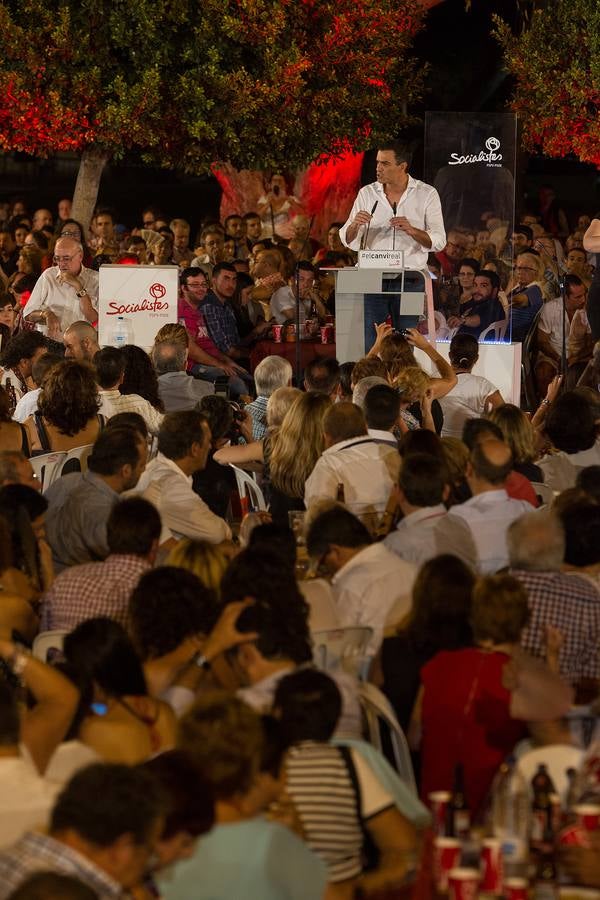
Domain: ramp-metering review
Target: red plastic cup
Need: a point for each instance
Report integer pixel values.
(516, 889)
(588, 816)
(573, 836)
(438, 803)
(276, 331)
(327, 334)
(446, 856)
(463, 884)
(491, 866)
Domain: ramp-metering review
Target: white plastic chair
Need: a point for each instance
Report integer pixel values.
(46, 641)
(76, 459)
(584, 725)
(48, 467)
(247, 487)
(499, 329)
(558, 758)
(342, 648)
(544, 492)
(380, 718)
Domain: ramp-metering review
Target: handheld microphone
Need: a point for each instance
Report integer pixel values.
(366, 235)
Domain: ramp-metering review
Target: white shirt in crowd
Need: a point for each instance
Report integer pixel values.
(476, 530)
(120, 403)
(420, 204)
(283, 298)
(414, 538)
(365, 468)
(27, 405)
(26, 799)
(182, 511)
(551, 323)
(560, 469)
(61, 298)
(465, 401)
(373, 589)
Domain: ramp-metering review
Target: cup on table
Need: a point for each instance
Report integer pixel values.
(588, 816)
(463, 884)
(438, 803)
(276, 331)
(516, 889)
(491, 866)
(446, 857)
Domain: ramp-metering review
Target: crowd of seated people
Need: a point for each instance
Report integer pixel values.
(176, 717)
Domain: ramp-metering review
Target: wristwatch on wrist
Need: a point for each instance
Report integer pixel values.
(18, 660)
(81, 293)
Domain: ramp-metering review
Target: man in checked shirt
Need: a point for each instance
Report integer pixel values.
(566, 601)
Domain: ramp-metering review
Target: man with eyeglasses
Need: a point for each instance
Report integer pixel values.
(65, 293)
(450, 257)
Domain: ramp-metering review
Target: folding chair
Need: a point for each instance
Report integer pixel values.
(48, 467)
(380, 719)
(251, 496)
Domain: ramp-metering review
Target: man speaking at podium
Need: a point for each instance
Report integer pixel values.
(399, 213)
(396, 212)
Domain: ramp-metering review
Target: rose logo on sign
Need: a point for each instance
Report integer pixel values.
(157, 290)
(491, 158)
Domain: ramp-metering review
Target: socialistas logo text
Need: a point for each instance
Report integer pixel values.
(157, 292)
(489, 156)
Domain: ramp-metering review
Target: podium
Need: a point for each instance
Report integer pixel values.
(370, 292)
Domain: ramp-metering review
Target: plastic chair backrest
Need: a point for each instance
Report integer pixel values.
(499, 329)
(76, 459)
(558, 758)
(48, 467)
(47, 640)
(380, 719)
(248, 490)
(342, 648)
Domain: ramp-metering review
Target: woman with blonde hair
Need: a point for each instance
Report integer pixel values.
(519, 434)
(293, 452)
(396, 351)
(413, 385)
(207, 561)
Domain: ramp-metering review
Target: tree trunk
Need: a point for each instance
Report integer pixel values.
(88, 184)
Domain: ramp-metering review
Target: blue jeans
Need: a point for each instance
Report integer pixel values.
(238, 384)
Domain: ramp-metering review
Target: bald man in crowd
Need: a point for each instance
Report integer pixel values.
(81, 341)
(65, 293)
(476, 530)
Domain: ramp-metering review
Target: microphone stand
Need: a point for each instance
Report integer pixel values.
(298, 347)
(562, 274)
(307, 238)
(394, 205)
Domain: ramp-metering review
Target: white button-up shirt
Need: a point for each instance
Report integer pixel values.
(373, 588)
(61, 298)
(414, 538)
(420, 204)
(182, 511)
(365, 468)
(26, 799)
(476, 530)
